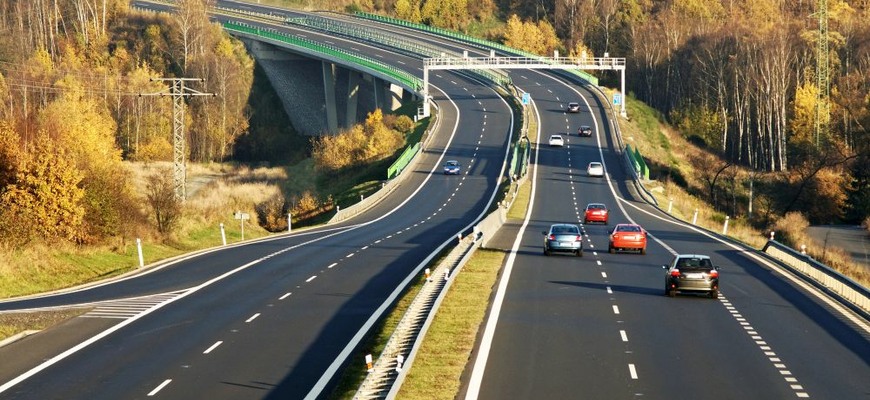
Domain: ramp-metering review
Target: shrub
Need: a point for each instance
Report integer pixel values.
(272, 213)
(160, 193)
(791, 229)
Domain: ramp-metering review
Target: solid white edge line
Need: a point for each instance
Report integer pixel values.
(214, 346)
(478, 369)
(159, 387)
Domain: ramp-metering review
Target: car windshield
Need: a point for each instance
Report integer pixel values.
(594, 165)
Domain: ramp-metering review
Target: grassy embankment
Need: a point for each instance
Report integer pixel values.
(215, 192)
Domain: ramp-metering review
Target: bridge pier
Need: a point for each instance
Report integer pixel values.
(329, 97)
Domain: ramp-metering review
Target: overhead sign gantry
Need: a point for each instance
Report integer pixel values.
(566, 63)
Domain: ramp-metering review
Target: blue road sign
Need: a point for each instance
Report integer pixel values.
(617, 99)
(527, 98)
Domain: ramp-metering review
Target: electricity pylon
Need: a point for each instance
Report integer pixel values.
(178, 91)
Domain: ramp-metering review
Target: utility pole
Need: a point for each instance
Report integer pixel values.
(823, 109)
(178, 91)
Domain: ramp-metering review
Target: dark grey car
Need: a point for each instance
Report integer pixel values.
(565, 238)
(691, 273)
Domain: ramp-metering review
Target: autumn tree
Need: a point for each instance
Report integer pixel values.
(44, 199)
(408, 10)
(538, 38)
(449, 14)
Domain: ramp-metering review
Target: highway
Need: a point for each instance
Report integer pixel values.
(600, 326)
(277, 318)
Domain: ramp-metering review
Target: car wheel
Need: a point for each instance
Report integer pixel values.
(580, 253)
(672, 292)
(611, 250)
(714, 294)
(643, 250)
(546, 252)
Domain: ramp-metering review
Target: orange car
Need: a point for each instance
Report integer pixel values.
(627, 237)
(596, 212)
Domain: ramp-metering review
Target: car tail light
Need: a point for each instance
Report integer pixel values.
(578, 238)
(714, 274)
(675, 273)
(552, 237)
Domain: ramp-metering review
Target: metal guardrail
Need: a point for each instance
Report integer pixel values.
(480, 43)
(389, 371)
(844, 287)
(352, 30)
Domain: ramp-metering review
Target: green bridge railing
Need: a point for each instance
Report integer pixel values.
(466, 38)
(402, 76)
(403, 160)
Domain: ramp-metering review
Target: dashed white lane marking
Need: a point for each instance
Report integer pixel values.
(286, 295)
(623, 335)
(214, 346)
(349, 255)
(400, 62)
(766, 349)
(128, 308)
(331, 265)
(603, 274)
(453, 82)
(609, 290)
(365, 247)
(159, 387)
(310, 279)
(615, 309)
(253, 317)
(633, 371)
(598, 262)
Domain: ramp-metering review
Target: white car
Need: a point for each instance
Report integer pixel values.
(556, 140)
(595, 169)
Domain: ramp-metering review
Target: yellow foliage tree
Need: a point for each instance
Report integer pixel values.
(450, 14)
(44, 200)
(537, 38)
(408, 10)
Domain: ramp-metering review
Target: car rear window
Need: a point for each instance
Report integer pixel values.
(694, 263)
(565, 230)
(628, 228)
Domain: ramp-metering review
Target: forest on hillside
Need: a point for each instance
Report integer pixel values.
(737, 77)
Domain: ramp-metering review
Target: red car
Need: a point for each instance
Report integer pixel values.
(596, 212)
(627, 237)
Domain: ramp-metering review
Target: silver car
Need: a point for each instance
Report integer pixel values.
(564, 238)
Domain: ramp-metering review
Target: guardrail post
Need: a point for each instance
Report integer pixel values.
(772, 233)
(804, 249)
(223, 235)
(670, 205)
(695, 218)
(725, 227)
(289, 222)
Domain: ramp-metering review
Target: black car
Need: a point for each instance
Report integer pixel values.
(563, 238)
(692, 273)
(584, 130)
